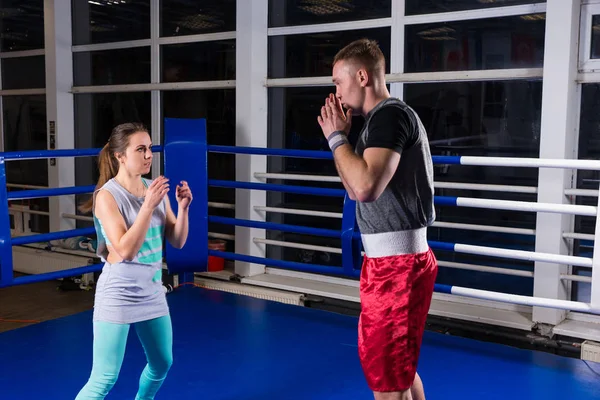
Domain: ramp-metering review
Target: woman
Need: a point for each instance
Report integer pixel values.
(131, 217)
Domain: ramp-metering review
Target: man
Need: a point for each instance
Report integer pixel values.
(390, 175)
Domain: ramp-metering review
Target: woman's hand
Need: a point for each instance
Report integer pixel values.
(156, 192)
(184, 195)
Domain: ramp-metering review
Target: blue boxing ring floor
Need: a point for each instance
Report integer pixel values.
(233, 347)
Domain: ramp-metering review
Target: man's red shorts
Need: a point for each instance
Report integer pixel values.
(395, 296)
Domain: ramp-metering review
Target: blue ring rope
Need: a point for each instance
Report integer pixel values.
(278, 188)
(46, 237)
(277, 227)
(314, 154)
(44, 154)
(37, 193)
(28, 194)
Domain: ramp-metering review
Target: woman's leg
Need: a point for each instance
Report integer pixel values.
(109, 349)
(156, 336)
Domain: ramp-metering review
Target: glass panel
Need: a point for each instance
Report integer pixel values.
(436, 6)
(24, 119)
(506, 123)
(589, 149)
(493, 119)
(96, 114)
(203, 61)
(312, 54)
(182, 17)
(308, 12)
(24, 73)
(293, 125)
(218, 107)
(22, 25)
(595, 48)
(494, 43)
(112, 67)
(103, 21)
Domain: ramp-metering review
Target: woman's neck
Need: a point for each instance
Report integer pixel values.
(132, 183)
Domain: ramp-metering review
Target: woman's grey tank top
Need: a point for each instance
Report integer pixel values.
(131, 291)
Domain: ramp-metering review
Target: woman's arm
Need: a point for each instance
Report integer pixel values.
(177, 228)
(127, 242)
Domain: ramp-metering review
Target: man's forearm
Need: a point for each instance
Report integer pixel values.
(346, 186)
(352, 170)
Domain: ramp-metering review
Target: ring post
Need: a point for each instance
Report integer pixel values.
(6, 261)
(350, 242)
(185, 159)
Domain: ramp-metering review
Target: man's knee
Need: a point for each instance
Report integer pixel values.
(404, 395)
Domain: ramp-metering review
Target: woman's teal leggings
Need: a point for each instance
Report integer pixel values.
(156, 336)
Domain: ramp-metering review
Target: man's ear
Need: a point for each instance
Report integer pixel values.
(363, 77)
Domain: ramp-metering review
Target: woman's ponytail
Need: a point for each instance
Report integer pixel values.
(107, 162)
(108, 166)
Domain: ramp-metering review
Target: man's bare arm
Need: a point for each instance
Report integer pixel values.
(366, 177)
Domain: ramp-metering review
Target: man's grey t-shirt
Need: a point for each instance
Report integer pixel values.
(407, 201)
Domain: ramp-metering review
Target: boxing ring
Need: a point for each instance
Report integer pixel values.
(228, 346)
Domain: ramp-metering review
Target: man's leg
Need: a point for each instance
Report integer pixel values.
(416, 392)
(405, 395)
(385, 345)
(395, 295)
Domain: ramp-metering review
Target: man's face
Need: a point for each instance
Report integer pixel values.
(350, 84)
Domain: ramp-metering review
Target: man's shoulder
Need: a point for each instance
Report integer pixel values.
(392, 110)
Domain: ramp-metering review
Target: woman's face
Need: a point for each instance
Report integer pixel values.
(138, 156)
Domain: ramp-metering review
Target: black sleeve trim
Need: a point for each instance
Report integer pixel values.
(391, 128)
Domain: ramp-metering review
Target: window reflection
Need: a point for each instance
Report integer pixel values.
(588, 149)
(24, 119)
(595, 46)
(24, 73)
(303, 12)
(436, 6)
(112, 67)
(96, 114)
(181, 17)
(203, 61)
(103, 21)
(22, 25)
(312, 54)
(492, 119)
(494, 43)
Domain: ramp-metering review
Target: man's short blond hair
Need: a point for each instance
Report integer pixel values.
(364, 52)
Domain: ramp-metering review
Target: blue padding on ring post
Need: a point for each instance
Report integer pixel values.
(445, 201)
(185, 159)
(350, 244)
(441, 245)
(6, 261)
(441, 288)
(446, 160)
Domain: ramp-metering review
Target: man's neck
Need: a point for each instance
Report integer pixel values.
(374, 98)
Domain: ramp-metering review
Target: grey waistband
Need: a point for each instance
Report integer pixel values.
(395, 243)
